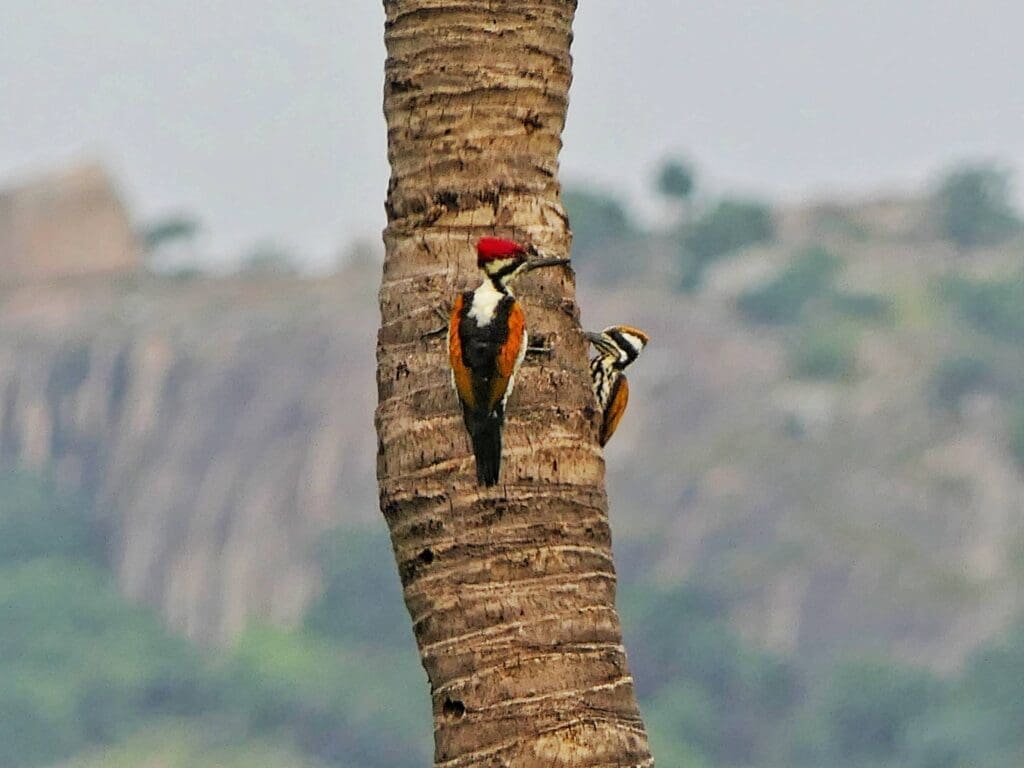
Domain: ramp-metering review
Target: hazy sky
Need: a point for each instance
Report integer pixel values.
(264, 118)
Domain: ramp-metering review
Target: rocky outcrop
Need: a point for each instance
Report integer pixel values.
(217, 427)
(832, 515)
(67, 224)
(221, 425)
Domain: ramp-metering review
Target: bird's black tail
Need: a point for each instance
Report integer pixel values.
(485, 433)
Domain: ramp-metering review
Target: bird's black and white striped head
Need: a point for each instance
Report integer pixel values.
(620, 344)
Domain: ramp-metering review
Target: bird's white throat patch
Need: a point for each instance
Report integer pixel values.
(485, 303)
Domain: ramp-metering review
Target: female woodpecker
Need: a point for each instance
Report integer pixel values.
(617, 347)
(487, 342)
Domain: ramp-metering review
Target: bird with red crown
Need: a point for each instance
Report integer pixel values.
(487, 342)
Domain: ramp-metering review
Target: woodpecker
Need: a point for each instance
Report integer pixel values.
(487, 342)
(617, 347)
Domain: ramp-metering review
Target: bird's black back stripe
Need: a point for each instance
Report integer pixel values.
(481, 345)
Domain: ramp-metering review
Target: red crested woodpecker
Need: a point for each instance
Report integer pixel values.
(617, 347)
(487, 342)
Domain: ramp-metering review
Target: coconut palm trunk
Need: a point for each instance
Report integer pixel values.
(511, 589)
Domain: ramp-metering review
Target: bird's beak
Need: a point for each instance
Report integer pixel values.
(538, 263)
(594, 338)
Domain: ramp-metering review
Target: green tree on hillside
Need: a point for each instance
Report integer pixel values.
(676, 182)
(170, 244)
(973, 206)
(595, 217)
(603, 233)
(78, 665)
(732, 224)
(994, 307)
(782, 299)
(175, 228)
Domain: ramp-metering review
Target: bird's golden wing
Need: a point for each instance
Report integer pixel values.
(616, 407)
(461, 375)
(509, 356)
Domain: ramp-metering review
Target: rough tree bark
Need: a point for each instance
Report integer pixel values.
(511, 589)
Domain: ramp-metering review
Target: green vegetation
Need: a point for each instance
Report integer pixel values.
(596, 218)
(174, 229)
(975, 719)
(601, 227)
(825, 348)
(676, 181)
(863, 713)
(184, 744)
(808, 280)
(701, 689)
(348, 688)
(877, 713)
(727, 227)
(170, 245)
(78, 666)
(868, 307)
(35, 523)
(957, 377)
(345, 706)
(609, 246)
(995, 307)
(88, 678)
(972, 206)
(82, 669)
(783, 299)
(1017, 433)
(828, 322)
(710, 701)
(825, 352)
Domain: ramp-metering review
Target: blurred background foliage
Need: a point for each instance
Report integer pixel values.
(972, 206)
(83, 670)
(84, 673)
(88, 680)
(816, 495)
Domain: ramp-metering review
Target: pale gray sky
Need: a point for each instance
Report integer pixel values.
(264, 116)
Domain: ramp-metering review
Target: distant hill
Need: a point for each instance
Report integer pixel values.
(824, 431)
(227, 423)
(817, 489)
(821, 433)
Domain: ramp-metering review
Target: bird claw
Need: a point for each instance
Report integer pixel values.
(437, 331)
(540, 350)
(535, 346)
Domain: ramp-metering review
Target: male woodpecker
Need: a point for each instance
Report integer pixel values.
(617, 347)
(487, 342)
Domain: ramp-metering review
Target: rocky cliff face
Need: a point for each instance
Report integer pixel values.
(835, 515)
(218, 427)
(221, 426)
(66, 224)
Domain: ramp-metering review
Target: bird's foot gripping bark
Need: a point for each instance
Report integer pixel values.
(536, 346)
(440, 330)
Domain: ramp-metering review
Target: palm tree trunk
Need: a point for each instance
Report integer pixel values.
(511, 589)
